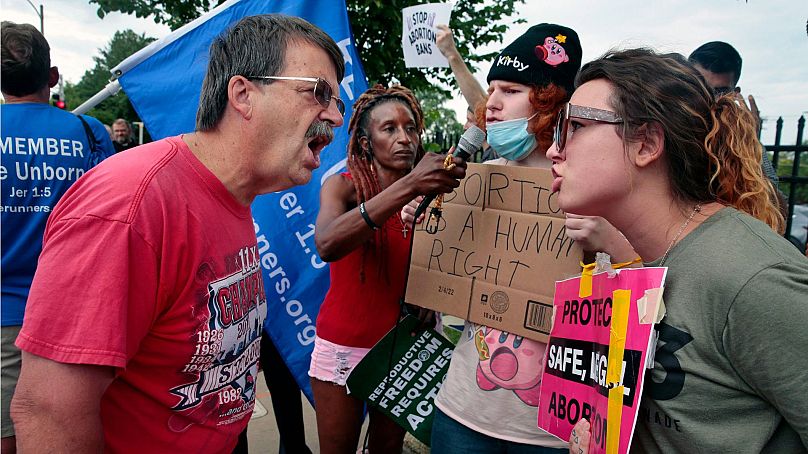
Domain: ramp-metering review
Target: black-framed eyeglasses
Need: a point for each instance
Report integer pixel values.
(323, 92)
(562, 128)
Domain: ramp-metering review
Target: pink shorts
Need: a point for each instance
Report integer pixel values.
(332, 362)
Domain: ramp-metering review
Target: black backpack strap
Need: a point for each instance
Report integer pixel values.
(94, 153)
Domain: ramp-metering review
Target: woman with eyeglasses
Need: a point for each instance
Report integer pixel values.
(359, 230)
(644, 144)
(495, 410)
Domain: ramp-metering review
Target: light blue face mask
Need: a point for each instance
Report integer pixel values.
(511, 139)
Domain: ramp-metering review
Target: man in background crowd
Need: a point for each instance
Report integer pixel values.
(720, 65)
(44, 151)
(122, 135)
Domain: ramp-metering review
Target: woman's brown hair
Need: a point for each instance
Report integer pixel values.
(711, 146)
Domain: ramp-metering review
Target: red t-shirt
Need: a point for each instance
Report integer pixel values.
(359, 314)
(151, 266)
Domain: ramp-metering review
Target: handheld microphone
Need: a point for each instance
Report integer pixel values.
(470, 142)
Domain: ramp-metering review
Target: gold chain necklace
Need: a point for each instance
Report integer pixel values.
(696, 209)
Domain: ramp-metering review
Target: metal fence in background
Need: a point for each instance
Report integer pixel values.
(793, 180)
(442, 142)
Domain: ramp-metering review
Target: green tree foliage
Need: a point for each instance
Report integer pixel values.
(441, 122)
(122, 45)
(785, 169)
(376, 26)
(174, 13)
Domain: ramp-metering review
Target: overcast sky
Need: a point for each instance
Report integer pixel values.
(769, 34)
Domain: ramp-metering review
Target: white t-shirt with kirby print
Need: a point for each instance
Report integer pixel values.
(493, 383)
(493, 386)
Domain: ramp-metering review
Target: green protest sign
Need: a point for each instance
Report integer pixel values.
(401, 376)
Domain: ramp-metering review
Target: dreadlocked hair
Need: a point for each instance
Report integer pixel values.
(360, 162)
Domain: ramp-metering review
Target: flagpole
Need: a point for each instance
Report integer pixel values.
(136, 58)
(111, 89)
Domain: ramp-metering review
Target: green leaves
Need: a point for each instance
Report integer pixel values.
(122, 45)
(376, 27)
(174, 13)
(377, 30)
(439, 120)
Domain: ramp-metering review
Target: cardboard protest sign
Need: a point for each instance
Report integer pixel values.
(401, 376)
(419, 34)
(501, 245)
(597, 355)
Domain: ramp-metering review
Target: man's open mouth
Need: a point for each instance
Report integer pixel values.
(318, 143)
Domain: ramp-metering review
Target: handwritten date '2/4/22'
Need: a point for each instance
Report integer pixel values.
(446, 290)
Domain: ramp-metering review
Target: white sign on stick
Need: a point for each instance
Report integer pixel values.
(419, 34)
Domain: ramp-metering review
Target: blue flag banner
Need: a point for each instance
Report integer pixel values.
(163, 82)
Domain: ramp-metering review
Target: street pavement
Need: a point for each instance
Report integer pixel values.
(263, 431)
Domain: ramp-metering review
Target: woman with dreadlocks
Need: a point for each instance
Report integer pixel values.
(360, 231)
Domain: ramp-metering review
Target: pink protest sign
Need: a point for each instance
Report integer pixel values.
(575, 383)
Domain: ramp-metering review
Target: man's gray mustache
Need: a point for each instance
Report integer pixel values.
(321, 129)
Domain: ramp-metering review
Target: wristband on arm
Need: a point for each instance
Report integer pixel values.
(365, 216)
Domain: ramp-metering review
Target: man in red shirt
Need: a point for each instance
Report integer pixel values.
(142, 330)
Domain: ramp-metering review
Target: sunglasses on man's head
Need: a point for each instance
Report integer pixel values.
(562, 129)
(323, 92)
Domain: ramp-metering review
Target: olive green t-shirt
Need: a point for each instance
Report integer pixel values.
(731, 366)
